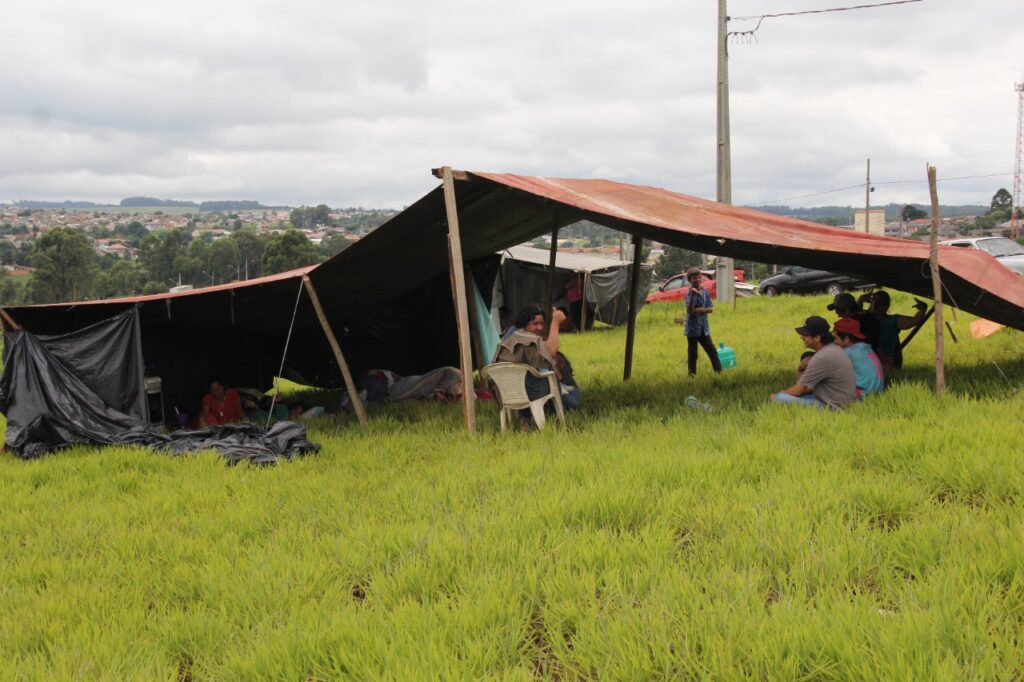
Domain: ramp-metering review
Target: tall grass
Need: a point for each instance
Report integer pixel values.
(645, 540)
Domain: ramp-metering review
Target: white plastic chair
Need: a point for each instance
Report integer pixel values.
(510, 380)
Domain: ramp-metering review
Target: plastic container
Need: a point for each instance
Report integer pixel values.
(727, 356)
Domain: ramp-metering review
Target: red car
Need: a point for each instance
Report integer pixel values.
(676, 287)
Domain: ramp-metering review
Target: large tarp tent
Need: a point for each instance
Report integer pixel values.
(389, 300)
(603, 282)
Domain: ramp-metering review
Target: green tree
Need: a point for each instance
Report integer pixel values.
(675, 260)
(159, 254)
(8, 252)
(1002, 200)
(250, 252)
(911, 212)
(288, 250)
(124, 278)
(335, 244)
(65, 267)
(8, 291)
(223, 259)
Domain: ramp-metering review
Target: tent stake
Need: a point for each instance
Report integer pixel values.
(353, 394)
(634, 286)
(940, 359)
(459, 293)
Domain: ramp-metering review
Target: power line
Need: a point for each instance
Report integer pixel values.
(887, 182)
(822, 11)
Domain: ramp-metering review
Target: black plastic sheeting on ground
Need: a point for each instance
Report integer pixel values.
(49, 407)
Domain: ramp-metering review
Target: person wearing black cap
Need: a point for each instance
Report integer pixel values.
(846, 306)
(829, 380)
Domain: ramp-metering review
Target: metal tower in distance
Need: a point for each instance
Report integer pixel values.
(1015, 209)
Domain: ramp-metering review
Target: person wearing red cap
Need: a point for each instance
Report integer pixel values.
(829, 380)
(866, 366)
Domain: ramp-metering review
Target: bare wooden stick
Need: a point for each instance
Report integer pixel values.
(353, 394)
(9, 320)
(459, 294)
(549, 288)
(940, 355)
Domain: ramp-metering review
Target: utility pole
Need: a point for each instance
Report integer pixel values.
(724, 266)
(867, 201)
(1015, 206)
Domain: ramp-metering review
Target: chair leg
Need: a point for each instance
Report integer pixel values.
(504, 417)
(537, 409)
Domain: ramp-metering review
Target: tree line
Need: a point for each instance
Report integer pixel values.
(67, 266)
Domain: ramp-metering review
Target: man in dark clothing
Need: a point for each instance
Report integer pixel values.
(845, 305)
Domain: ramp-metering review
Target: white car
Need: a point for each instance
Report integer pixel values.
(1006, 251)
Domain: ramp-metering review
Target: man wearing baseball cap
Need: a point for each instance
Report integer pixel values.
(847, 307)
(829, 380)
(866, 366)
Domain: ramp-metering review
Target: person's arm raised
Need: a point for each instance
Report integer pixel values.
(557, 317)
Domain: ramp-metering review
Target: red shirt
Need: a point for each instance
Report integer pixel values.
(228, 411)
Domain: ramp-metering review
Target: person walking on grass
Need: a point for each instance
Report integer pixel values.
(697, 329)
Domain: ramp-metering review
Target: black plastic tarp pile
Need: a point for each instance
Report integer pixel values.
(51, 389)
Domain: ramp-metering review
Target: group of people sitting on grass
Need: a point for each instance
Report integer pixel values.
(849, 359)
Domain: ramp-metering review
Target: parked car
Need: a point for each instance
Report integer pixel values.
(676, 287)
(796, 279)
(1006, 251)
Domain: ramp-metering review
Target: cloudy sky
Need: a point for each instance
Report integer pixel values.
(351, 103)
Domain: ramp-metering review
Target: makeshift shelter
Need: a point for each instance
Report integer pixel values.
(602, 282)
(387, 299)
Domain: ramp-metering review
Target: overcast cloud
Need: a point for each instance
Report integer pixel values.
(351, 104)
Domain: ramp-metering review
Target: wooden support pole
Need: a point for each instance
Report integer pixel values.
(634, 287)
(549, 288)
(940, 356)
(8, 320)
(915, 330)
(459, 294)
(583, 308)
(353, 394)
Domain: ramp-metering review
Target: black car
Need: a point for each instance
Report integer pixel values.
(800, 280)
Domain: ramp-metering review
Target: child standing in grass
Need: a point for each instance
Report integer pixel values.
(697, 329)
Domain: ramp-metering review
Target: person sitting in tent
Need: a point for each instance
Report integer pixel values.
(525, 344)
(866, 366)
(829, 380)
(220, 406)
(889, 351)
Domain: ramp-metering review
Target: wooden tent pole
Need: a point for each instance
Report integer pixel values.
(353, 394)
(583, 308)
(634, 286)
(940, 359)
(549, 288)
(915, 330)
(459, 293)
(9, 320)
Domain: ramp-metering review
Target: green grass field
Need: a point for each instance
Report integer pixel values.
(644, 541)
